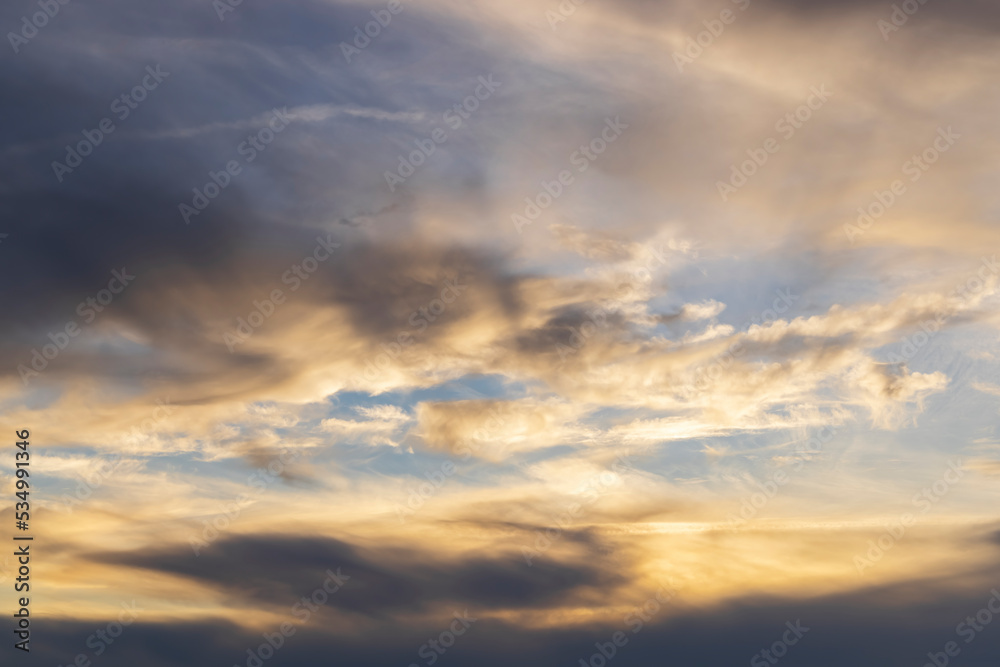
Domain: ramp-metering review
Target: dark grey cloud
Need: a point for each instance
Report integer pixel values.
(968, 13)
(888, 625)
(120, 207)
(972, 14)
(563, 329)
(277, 570)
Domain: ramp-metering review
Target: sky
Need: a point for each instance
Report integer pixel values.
(426, 332)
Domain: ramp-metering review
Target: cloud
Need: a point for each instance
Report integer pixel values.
(497, 429)
(273, 569)
(873, 622)
(889, 388)
(987, 388)
(617, 324)
(701, 311)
